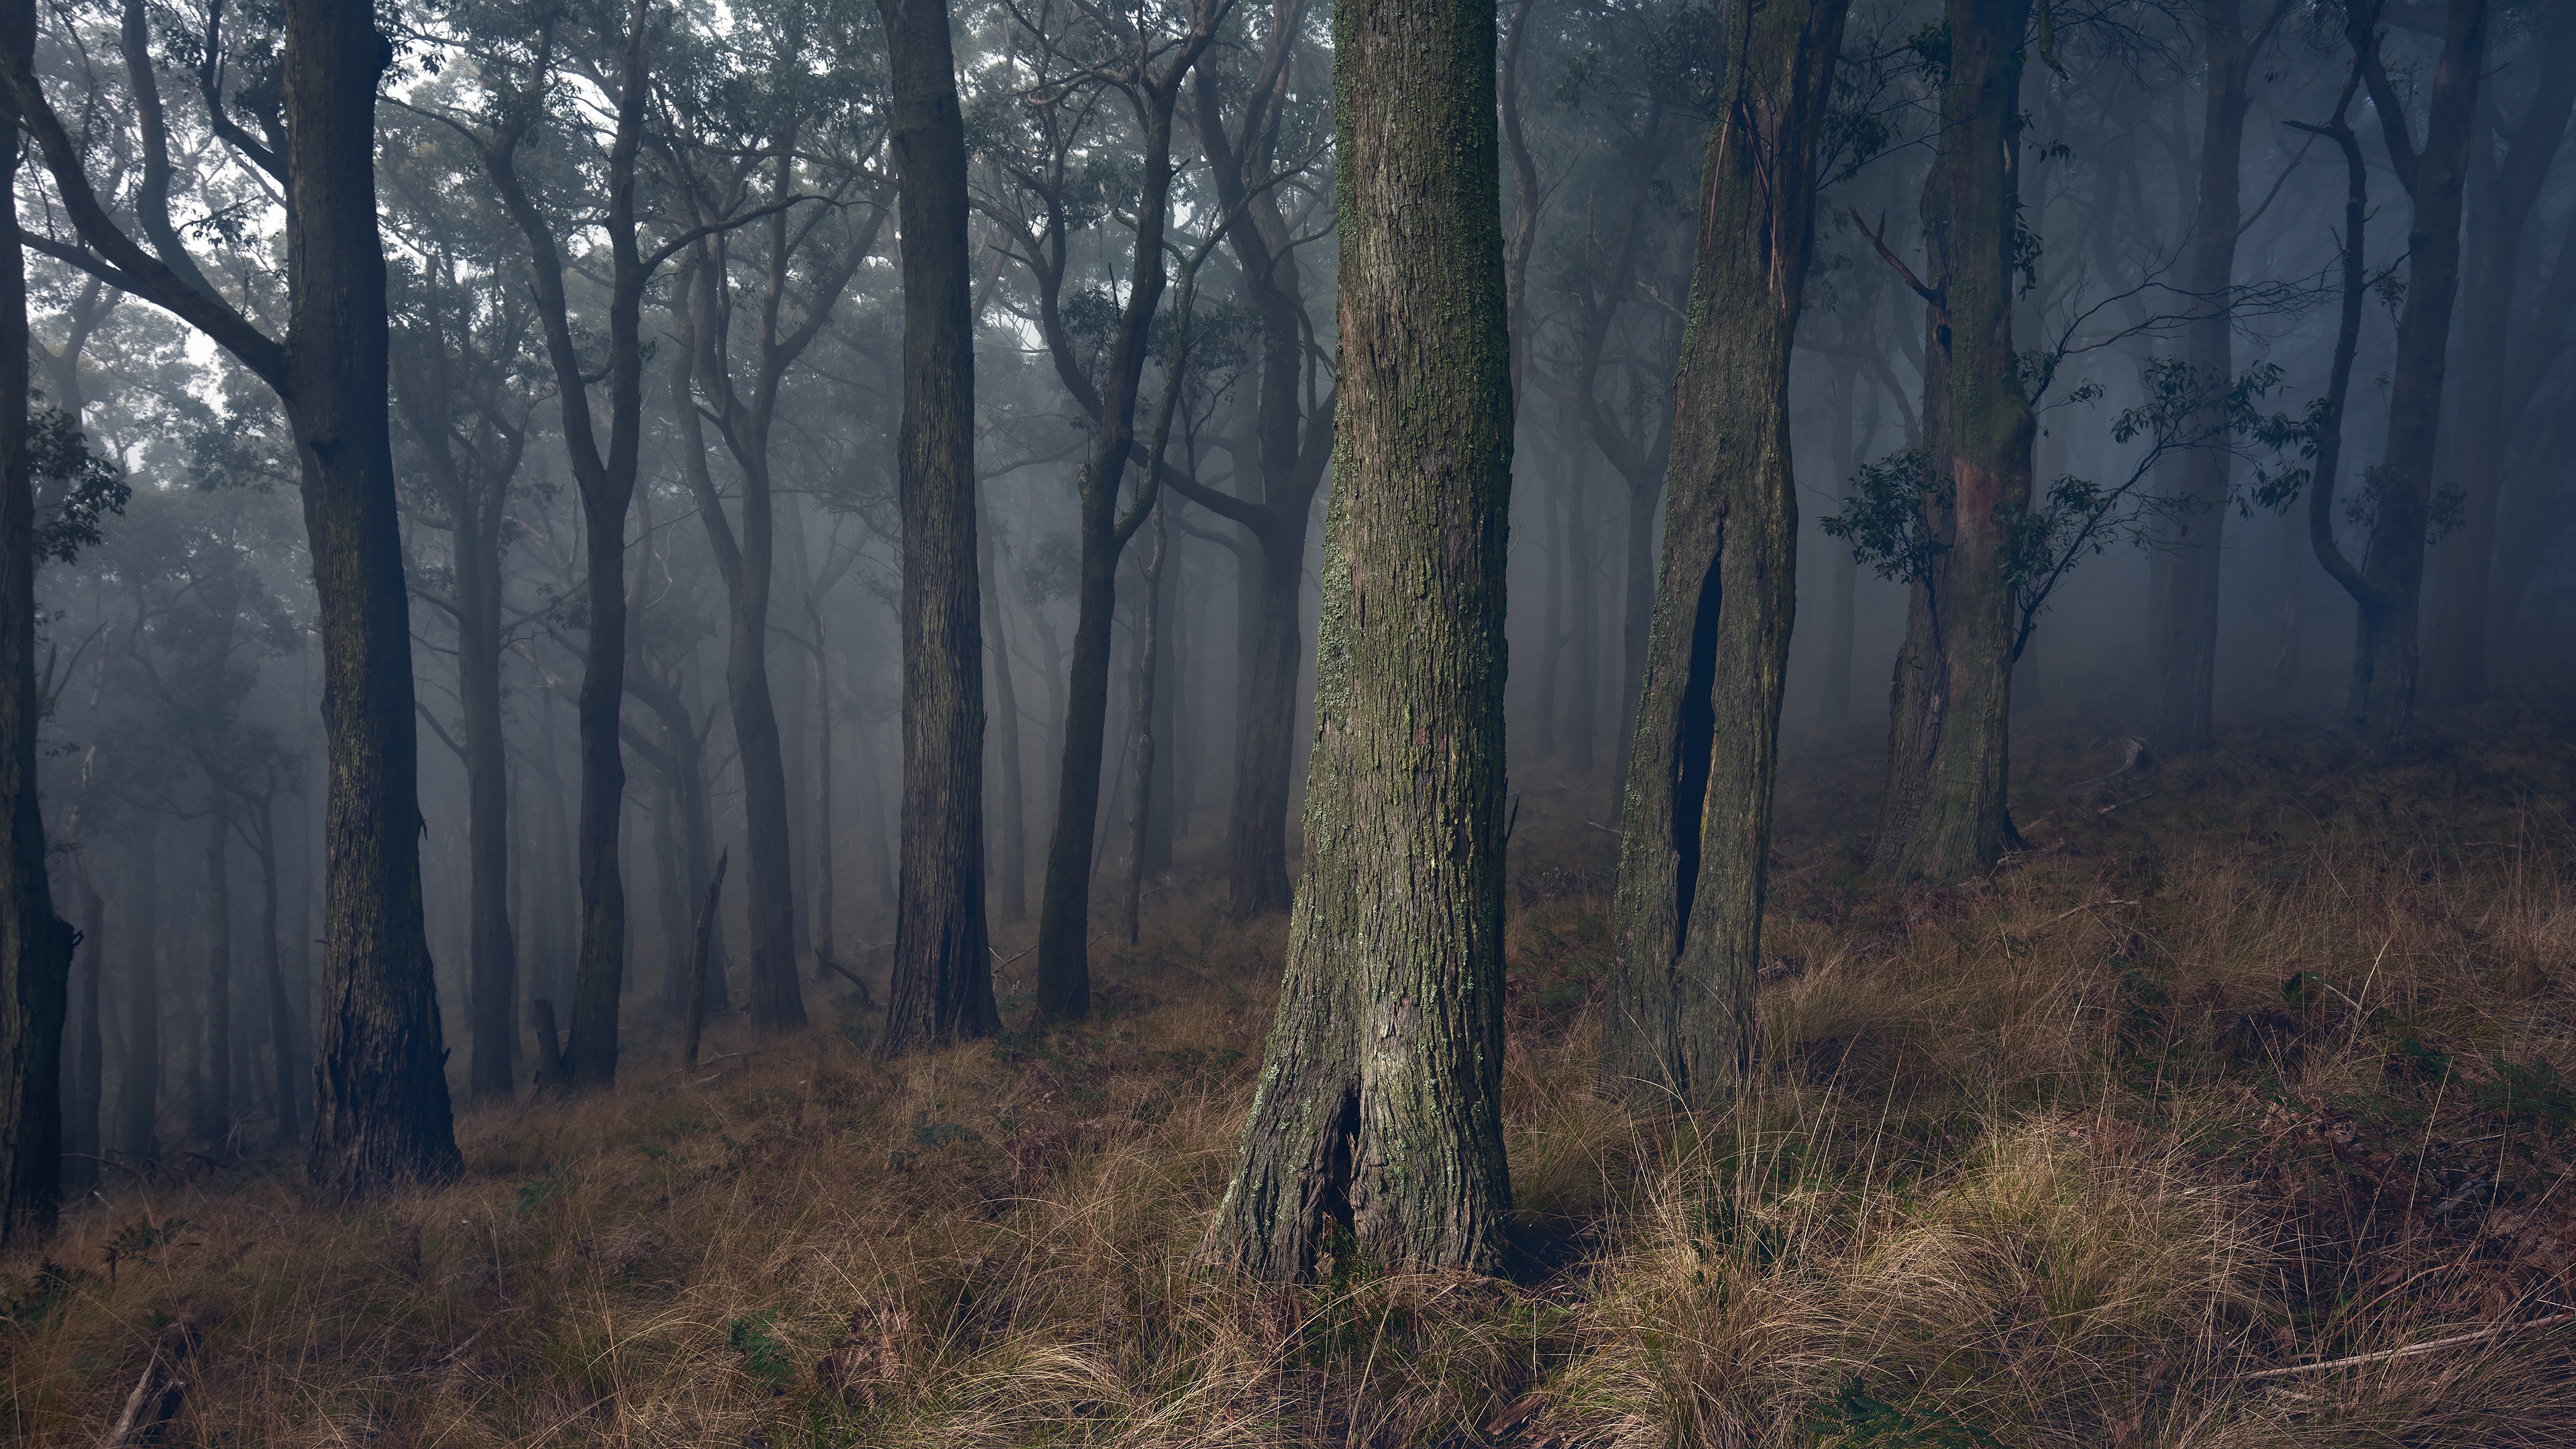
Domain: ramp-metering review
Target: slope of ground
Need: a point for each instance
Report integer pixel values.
(2235, 1110)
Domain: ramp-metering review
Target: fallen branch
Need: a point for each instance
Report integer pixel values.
(2454, 1341)
(157, 1395)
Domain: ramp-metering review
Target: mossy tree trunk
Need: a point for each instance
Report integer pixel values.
(1697, 821)
(1942, 816)
(1378, 1105)
(943, 972)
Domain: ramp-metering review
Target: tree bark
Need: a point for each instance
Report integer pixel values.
(35, 944)
(1379, 1101)
(383, 1116)
(942, 989)
(1687, 914)
(1943, 814)
(2381, 706)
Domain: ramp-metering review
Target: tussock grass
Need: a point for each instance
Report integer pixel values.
(2273, 1067)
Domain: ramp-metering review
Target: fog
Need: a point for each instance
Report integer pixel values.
(183, 762)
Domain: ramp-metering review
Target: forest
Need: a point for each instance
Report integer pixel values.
(1229, 785)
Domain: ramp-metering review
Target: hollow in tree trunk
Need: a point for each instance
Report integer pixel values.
(1687, 914)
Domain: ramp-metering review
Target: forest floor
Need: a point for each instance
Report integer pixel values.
(2236, 1110)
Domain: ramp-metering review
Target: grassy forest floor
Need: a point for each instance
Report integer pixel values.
(2191, 1127)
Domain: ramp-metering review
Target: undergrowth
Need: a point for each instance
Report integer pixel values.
(2218, 1085)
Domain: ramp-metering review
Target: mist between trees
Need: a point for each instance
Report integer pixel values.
(541, 530)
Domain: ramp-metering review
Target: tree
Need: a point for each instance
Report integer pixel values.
(798, 128)
(1687, 918)
(2187, 646)
(460, 375)
(1249, 161)
(1943, 814)
(383, 1116)
(1379, 1105)
(2399, 493)
(2500, 193)
(942, 987)
(1144, 66)
(35, 944)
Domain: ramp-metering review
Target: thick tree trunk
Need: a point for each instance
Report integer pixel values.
(943, 972)
(1379, 1103)
(2187, 644)
(2381, 706)
(1943, 814)
(383, 1116)
(1687, 916)
(35, 944)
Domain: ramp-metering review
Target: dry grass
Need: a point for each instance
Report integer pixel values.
(2269, 1068)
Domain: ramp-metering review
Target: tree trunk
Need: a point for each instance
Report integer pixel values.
(1687, 917)
(1583, 698)
(85, 1132)
(1379, 1103)
(492, 952)
(1011, 861)
(1162, 816)
(2381, 707)
(826, 936)
(1064, 910)
(383, 1116)
(942, 989)
(2499, 197)
(1293, 446)
(219, 974)
(35, 944)
(284, 1038)
(2187, 646)
(138, 1085)
(1143, 720)
(1943, 815)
